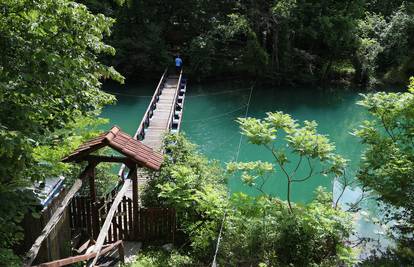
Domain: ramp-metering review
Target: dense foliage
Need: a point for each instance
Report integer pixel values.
(263, 230)
(49, 81)
(260, 230)
(282, 41)
(195, 187)
(387, 166)
(155, 257)
(385, 47)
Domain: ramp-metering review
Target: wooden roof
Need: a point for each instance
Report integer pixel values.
(124, 144)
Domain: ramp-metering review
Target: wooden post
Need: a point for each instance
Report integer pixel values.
(92, 193)
(108, 220)
(121, 252)
(134, 179)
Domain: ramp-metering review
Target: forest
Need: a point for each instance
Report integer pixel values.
(290, 41)
(56, 56)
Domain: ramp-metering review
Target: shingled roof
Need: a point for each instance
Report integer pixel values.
(124, 144)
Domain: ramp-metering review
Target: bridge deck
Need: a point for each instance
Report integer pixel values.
(159, 122)
(161, 117)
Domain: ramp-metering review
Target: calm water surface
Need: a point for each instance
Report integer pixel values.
(209, 121)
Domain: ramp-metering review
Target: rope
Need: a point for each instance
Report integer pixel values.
(214, 264)
(220, 93)
(218, 116)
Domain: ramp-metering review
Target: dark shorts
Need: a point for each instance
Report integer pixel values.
(178, 68)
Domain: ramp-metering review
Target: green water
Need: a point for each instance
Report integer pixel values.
(209, 121)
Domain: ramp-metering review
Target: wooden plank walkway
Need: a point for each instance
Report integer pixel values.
(163, 115)
(160, 120)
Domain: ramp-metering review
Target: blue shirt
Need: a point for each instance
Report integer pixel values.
(178, 62)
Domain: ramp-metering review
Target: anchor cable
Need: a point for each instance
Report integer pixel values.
(214, 264)
(188, 96)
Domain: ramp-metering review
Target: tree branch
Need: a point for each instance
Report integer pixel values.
(389, 132)
(309, 175)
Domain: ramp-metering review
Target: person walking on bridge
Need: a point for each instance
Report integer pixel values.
(178, 63)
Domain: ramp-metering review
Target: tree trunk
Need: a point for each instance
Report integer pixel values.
(275, 50)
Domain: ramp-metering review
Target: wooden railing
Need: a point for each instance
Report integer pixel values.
(110, 217)
(182, 104)
(140, 133)
(122, 223)
(171, 117)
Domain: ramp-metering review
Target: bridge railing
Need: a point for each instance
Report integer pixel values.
(140, 133)
(180, 100)
(173, 109)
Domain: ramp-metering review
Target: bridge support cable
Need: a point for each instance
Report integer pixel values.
(214, 263)
(245, 116)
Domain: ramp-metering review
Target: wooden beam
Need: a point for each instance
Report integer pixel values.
(84, 246)
(80, 258)
(104, 230)
(57, 215)
(135, 202)
(77, 157)
(94, 211)
(99, 158)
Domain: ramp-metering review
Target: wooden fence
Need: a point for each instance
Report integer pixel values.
(156, 225)
(57, 244)
(152, 225)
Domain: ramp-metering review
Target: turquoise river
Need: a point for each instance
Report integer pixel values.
(209, 121)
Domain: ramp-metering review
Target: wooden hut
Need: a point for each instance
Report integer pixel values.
(134, 155)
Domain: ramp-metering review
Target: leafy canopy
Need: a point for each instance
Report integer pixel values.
(50, 77)
(387, 164)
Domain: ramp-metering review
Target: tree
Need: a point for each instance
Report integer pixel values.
(387, 164)
(49, 76)
(384, 45)
(268, 230)
(314, 151)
